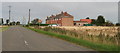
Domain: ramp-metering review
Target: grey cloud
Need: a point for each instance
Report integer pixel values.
(0, 9)
(78, 9)
(59, 0)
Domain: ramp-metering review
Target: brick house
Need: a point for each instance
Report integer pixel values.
(86, 20)
(80, 23)
(62, 19)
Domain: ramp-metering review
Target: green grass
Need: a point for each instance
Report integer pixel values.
(95, 46)
(3, 29)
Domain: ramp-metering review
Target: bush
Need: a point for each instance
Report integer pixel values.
(117, 24)
(44, 24)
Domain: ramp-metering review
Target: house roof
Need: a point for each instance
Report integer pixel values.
(61, 15)
(87, 20)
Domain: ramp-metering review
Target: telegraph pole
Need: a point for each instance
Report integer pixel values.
(29, 18)
(9, 13)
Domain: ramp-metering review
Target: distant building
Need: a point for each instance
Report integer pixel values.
(62, 19)
(86, 20)
(80, 23)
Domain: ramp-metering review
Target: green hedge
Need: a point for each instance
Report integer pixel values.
(38, 24)
(44, 24)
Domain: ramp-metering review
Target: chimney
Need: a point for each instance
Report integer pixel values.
(65, 13)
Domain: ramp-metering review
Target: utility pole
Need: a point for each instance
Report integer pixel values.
(9, 13)
(29, 17)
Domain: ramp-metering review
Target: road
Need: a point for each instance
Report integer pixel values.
(21, 39)
(0, 38)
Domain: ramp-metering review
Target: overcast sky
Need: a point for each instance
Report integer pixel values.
(79, 10)
(60, 0)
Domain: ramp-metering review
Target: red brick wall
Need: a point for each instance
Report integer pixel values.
(88, 20)
(67, 21)
(61, 22)
(54, 22)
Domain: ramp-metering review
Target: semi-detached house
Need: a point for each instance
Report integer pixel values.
(62, 19)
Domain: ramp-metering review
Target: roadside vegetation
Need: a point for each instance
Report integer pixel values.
(3, 28)
(99, 43)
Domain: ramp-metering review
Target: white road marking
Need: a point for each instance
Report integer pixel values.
(26, 42)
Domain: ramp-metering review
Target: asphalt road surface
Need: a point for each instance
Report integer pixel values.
(0, 39)
(21, 39)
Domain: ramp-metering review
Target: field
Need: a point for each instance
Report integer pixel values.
(92, 30)
(97, 34)
(86, 36)
(2, 28)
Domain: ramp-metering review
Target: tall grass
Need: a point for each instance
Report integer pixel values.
(63, 34)
(3, 29)
(101, 38)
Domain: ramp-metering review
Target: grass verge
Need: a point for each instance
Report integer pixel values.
(96, 46)
(3, 29)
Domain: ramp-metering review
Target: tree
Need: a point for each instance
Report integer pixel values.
(117, 24)
(87, 18)
(12, 23)
(108, 23)
(7, 21)
(35, 21)
(100, 20)
(93, 21)
(2, 21)
(18, 23)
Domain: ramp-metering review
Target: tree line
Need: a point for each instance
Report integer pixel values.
(100, 21)
(12, 23)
